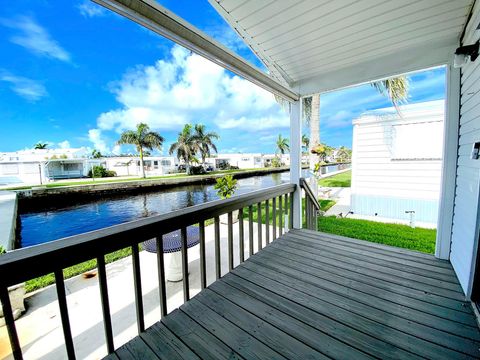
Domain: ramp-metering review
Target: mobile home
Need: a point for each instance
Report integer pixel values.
(397, 162)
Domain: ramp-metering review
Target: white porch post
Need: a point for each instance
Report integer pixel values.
(449, 166)
(296, 160)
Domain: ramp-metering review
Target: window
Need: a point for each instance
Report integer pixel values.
(30, 168)
(166, 163)
(420, 141)
(245, 159)
(9, 169)
(155, 164)
(138, 163)
(71, 167)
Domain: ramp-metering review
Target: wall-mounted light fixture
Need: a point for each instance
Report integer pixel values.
(466, 53)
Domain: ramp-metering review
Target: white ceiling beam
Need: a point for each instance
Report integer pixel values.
(401, 62)
(160, 20)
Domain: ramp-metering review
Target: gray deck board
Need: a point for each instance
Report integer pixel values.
(416, 335)
(374, 247)
(311, 295)
(166, 345)
(426, 289)
(416, 267)
(259, 327)
(394, 293)
(136, 349)
(443, 281)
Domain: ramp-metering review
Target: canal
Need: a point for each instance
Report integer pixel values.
(52, 223)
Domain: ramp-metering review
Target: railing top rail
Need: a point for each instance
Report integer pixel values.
(309, 192)
(31, 262)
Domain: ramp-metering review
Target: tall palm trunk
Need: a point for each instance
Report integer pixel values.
(314, 138)
(314, 129)
(142, 167)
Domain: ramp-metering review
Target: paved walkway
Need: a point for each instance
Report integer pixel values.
(40, 328)
(342, 197)
(8, 216)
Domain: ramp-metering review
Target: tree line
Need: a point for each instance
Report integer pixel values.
(193, 141)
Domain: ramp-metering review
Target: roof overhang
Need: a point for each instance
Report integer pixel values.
(321, 45)
(153, 16)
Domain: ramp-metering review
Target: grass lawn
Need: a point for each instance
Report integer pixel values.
(403, 236)
(339, 180)
(324, 206)
(69, 272)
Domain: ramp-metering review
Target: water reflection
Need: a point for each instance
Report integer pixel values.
(39, 227)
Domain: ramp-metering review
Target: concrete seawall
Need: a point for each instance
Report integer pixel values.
(8, 219)
(38, 195)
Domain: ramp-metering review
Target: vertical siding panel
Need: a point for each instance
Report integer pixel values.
(465, 217)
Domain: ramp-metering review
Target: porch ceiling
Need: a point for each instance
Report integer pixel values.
(319, 45)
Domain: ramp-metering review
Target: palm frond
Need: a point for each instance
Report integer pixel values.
(395, 89)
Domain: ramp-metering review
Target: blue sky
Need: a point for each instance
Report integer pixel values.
(77, 75)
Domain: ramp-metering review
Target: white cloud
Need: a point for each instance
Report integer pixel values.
(64, 144)
(99, 143)
(90, 9)
(259, 123)
(35, 38)
(27, 88)
(187, 89)
(233, 150)
(117, 150)
(340, 119)
(268, 137)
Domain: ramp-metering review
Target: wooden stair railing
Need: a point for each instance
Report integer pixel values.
(312, 206)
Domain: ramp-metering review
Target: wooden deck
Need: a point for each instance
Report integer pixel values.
(311, 295)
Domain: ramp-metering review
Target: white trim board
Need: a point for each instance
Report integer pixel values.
(449, 164)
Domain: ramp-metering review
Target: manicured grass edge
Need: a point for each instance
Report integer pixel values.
(343, 179)
(49, 279)
(113, 180)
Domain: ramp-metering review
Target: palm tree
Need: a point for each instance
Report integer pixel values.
(305, 142)
(40, 146)
(143, 139)
(204, 141)
(282, 145)
(96, 154)
(186, 146)
(344, 154)
(323, 151)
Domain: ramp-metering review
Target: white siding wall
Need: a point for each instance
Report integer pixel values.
(465, 217)
(386, 181)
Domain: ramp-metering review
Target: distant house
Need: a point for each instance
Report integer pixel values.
(242, 161)
(35, 165)
(397, 162)
(130, 165)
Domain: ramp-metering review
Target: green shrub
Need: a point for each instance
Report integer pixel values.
(197, 170)
(100, 172)
(276, 162)
(226, 186)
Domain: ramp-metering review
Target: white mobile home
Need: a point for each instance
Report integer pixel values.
(397, 162)
(33, 166)
(130, 165)
(242, 161)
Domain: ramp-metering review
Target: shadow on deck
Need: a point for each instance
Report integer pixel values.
(310, 295)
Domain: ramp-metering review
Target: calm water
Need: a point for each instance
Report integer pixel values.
(40, 227)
